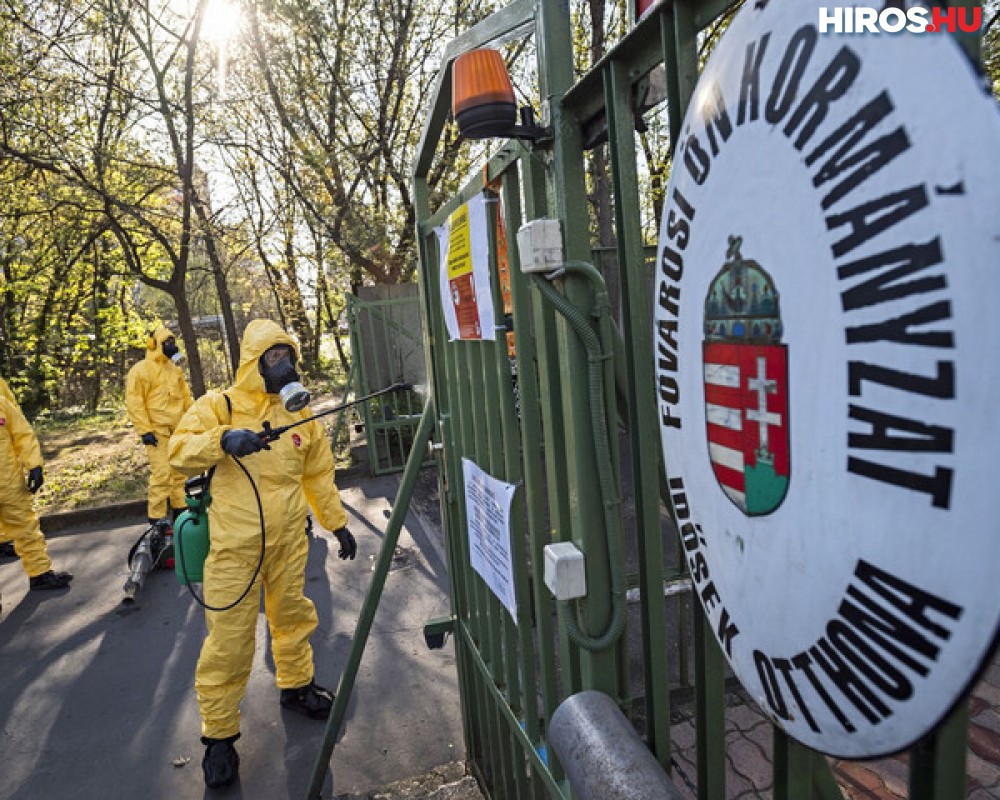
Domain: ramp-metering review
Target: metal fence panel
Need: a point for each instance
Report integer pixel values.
(387, 348)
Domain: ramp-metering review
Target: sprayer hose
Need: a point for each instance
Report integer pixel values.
(602, 450)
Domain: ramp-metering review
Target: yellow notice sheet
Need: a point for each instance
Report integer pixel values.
(466, 299)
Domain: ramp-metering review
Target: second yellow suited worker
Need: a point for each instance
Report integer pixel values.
(288, 476)
(156, 397)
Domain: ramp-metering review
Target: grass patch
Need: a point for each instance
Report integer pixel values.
(90, 460)
(94, 460)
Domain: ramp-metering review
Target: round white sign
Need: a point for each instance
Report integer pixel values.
(827, 289)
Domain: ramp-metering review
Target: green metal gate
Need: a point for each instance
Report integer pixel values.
(550, 427)
(386, 348)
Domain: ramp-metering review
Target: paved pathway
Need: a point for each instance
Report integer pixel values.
(749, 753)
(96, 699)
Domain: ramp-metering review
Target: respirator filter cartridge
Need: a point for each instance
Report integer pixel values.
(294, 396)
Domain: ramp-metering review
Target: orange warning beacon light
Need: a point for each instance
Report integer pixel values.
(482, 95)
(482, 98)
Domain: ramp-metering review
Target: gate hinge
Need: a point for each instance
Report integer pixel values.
(436, 631)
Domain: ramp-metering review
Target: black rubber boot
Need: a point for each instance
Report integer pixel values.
(312, 700)
(51, 580)
(221, 763)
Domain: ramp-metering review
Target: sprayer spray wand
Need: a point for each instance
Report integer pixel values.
(269, 434)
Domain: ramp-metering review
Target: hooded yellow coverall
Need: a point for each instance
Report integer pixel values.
(19, 452)
(6, 392)
(9, 395)
(156, 397)
(298, 469)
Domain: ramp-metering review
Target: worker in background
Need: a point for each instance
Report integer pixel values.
(156, 397)
(283, 479)
(6, 545)
(20, 454)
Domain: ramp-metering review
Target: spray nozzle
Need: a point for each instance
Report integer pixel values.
(269, 434)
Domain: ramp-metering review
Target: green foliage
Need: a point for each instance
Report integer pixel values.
(991, 45)
(137, 189)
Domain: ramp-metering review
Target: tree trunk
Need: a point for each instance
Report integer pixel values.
(344, 361)
(321, 292)
(7, 323)
(190, 338)
(100, 295)
(295, 309)
(601, 202)
(232, 340)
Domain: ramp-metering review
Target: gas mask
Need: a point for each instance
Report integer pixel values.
(171, 351)
(280, 378)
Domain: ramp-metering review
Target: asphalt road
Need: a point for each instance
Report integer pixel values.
(97, 699)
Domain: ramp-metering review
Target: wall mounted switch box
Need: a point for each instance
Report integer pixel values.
(539, 243)
(564, 571)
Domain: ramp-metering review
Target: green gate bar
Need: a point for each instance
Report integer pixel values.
(346, 684)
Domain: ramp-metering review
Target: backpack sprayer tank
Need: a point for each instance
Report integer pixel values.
(191, 538)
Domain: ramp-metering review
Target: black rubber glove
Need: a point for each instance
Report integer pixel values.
(150, 439)
(242, 442)
(348, 547)
(35, 479)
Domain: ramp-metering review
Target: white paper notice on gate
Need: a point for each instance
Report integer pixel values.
(466, 298)
(487, 507)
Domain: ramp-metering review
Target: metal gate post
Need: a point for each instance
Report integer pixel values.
(551, 409)
(709, 690)
(644, 449)
(568, 192)
(533, 473)
(937, 762)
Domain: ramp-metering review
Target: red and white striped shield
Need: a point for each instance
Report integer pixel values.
(746, 418)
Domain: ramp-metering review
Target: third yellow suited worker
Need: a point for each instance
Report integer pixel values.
(6, 545)
(156, 397)
(19, 451)
(289, 475)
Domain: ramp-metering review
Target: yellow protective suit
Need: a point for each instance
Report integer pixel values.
(156, 397)
(19, 452)
(7, 393)
(296, 471)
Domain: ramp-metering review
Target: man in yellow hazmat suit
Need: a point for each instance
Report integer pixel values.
(283, 478)
(156, 397)
(20, 452)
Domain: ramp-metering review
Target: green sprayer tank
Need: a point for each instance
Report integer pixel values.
(191, 538)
